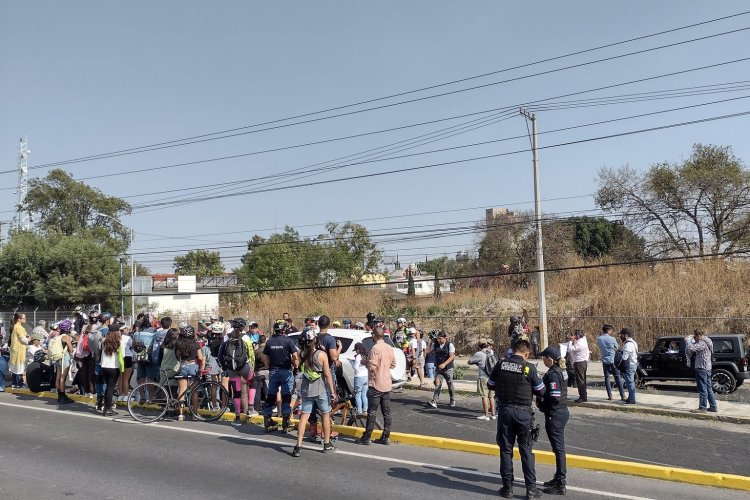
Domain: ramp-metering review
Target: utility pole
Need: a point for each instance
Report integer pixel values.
(540, 289)
(23, 218)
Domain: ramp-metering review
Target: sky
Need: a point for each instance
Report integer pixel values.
(86, 79)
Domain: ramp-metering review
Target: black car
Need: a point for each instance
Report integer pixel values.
(668, 361)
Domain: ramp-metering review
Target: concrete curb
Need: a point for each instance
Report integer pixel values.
(666, 412)
(690, 476)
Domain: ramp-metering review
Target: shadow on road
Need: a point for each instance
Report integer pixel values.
(439, 479)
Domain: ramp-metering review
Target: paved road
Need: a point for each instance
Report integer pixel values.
(703, 445)
(51, 453)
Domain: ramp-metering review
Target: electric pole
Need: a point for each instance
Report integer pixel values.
(23, 218)
(540, 289)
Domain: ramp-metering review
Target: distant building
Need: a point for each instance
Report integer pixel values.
(497, 216)
(183, 296)
(424, 284)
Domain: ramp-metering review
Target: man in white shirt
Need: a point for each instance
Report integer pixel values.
(629, 354)
(579, 349)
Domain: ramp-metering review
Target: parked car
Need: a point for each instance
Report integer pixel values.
(668, 361)
(349, 339)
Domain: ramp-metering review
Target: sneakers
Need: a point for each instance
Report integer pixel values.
(180, 418)
(297, 451)
(328, 447)
(483, 417)
(713, 410)
(493, 417)
(452, 403)
(252, 413)
(698, 410)
(432, 403)
(237, 422)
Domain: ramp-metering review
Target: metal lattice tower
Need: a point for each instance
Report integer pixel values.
(23, 217)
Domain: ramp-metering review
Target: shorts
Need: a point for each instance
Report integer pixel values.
(65, 362)
(214, 366)
(190, 370)
(128, 362)
(324, 404)
(419, 362)
(482, 388)
(244, 372)
(146, 371)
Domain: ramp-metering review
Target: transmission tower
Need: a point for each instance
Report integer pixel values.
(23, 218)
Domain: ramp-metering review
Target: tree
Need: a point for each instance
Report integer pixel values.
(348, 250)
(200, 263)
(274, 262)
(690, 208)
(41, 270)
(64, 206)
(597, 237)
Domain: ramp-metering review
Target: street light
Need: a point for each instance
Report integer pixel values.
(132, 265)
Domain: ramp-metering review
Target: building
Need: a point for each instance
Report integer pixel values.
(181, 296)
(499, 216)
(424, 284)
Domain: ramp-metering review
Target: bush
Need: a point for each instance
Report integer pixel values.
(459, 372)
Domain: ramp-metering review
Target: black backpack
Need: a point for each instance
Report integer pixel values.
(234, 357)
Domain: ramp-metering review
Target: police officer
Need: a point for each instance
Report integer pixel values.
(515, 381)
(555, 408)
(281, 356)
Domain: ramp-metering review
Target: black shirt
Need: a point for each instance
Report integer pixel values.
(279, 350)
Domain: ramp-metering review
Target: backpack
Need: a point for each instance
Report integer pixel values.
(618, 361)
(153, 349)
(82, 349)
(55, 350)
(234, 356)
(490, 362)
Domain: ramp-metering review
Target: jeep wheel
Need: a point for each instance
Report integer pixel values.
(723, 381)
(639, 382)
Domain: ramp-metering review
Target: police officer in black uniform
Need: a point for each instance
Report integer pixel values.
(555, 408)
(515, 381)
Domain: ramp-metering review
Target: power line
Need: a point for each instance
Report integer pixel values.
(368, 101)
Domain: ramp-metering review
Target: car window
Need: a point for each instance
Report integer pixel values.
(723, 346)
(345, 343)
(670, 346)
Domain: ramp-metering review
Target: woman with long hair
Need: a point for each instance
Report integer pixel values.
(317, 385)
(228, 354)
(126, 341)
(190, 356)
(112, 364)
(18, 342)
(359, 364)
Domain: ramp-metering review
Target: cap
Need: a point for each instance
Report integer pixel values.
(551, 352)
(490, 342)
(482, 340)
(442, 334)
(37, 336)
(213, 318)
(412, 330)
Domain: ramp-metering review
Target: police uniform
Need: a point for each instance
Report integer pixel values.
(514, 381)
(555, 408)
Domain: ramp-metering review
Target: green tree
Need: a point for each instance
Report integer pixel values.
(40, 270)
(691, 208)
(597, 237)
(200, 263)
(274, 262)
(64, 206)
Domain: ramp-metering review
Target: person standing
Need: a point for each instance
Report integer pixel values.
(417, 348)
(18, 342)
(480, 359)
(554, 405)
(629, 356)
(380, 361)
(515, 381)
(579, 350)
(281, 356)
(703, 349)
(607, 348)
(61, 353)
(445, 353)
(535, 339)
(112, 365)
(359, 365)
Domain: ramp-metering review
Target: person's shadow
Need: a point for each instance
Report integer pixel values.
(440, 479)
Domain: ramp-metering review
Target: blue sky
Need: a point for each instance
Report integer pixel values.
(85, 78)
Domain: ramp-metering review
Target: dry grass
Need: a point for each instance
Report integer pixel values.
(653, 300)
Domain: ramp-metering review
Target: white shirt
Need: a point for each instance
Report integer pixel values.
(360, 370)
(579, 349)
(110, 361)
(630, 351)
(413, 346)
(126, 341)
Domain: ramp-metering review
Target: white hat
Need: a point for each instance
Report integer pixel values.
(401, 320)
(217, 328)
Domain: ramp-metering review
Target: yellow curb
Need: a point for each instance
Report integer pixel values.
(677, 474)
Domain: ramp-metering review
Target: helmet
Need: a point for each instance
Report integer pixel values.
(308, 335)
(187, 331)
(238, 323)
(65, 325)
(40, 356)
(347, 321)
(217, 328)
(370, 317)
(279, 326)
(105, 316)
(401, 320)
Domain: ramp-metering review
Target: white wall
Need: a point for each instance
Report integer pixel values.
(185, 305)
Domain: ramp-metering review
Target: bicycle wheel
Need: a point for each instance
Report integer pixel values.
(355, 420)
(154, 405)
(208, 401)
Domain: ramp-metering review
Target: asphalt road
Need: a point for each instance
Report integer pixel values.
(695, 444)
(51, 453)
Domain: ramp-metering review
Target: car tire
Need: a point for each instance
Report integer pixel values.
(639, 382)
(723, 381)
(739, 383)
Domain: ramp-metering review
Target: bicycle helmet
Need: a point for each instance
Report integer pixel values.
(105, 316)
(238, 323)
(65, 325)
(279, 326)
(308, 335)
(187, 331)
(217, 328)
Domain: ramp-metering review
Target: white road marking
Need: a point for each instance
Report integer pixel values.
(285, 443)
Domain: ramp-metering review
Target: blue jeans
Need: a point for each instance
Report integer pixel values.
(285, 380)
(610, 368)
(630, 381)
(705, 389)
(3, 371)
(360, 394)
(429, 370)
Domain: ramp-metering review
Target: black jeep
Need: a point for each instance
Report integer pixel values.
(668, 361)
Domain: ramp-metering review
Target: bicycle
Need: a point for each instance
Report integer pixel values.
(207, 399)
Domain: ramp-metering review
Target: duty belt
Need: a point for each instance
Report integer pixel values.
(520, 405)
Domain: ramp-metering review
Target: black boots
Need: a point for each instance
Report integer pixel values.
(555, 487)
(63, 398)
(286, 424)
(100, 402)
(269, 424)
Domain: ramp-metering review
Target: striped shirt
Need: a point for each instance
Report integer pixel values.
(703, 350)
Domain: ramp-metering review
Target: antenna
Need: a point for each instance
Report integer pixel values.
(23, 217)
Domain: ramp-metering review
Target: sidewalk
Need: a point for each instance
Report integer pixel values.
(657, 404)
